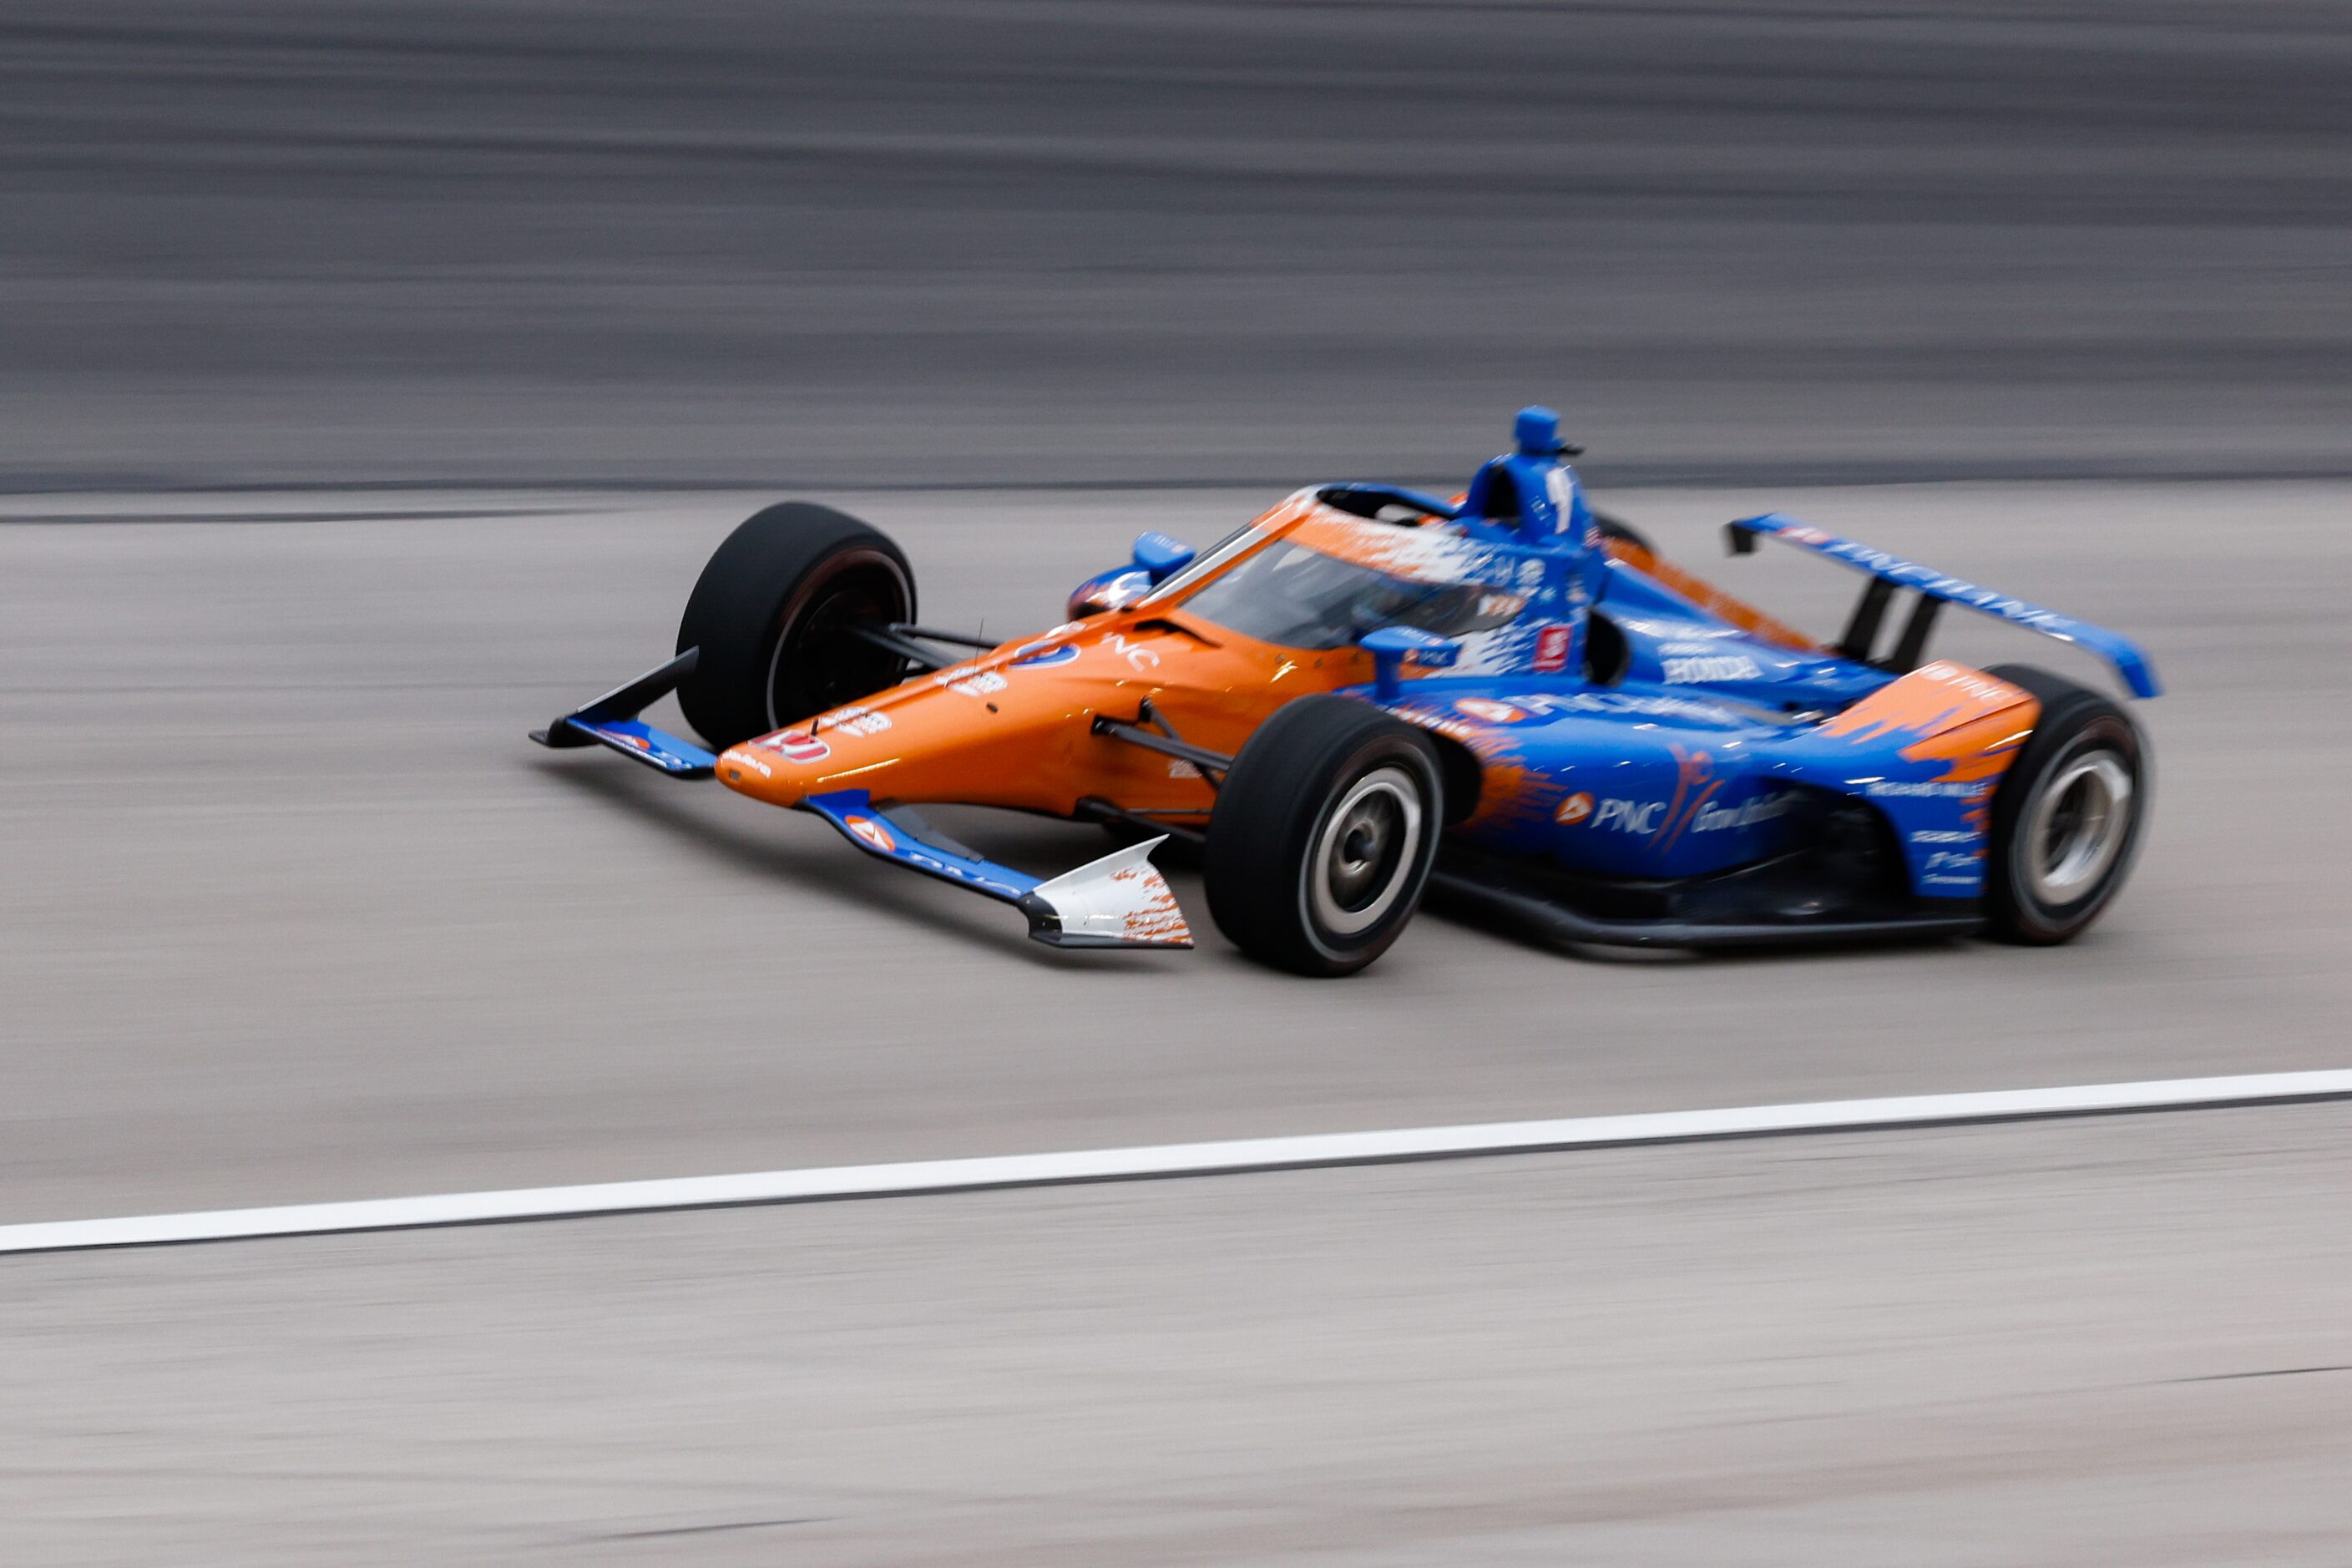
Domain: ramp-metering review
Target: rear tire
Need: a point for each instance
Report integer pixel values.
(770, 613)
(1323, 837)
(2067, 817)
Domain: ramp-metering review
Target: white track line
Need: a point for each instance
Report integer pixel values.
(838, 1181)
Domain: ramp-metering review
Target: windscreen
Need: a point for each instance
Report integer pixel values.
(1293, 596)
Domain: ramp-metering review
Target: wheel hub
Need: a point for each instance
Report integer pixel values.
(2077, 827)
(1365, 851)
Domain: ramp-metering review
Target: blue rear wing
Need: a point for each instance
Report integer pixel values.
(1891, 573)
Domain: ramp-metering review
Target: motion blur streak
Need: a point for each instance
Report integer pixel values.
(878, 241)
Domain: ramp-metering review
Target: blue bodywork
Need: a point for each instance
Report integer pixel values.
(1686, 746)
(1710, 748)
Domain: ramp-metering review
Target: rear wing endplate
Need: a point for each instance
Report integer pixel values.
(1891, 573)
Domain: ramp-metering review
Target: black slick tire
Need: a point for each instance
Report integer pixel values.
(2068, 817)
(770, 614)
(1323, 837)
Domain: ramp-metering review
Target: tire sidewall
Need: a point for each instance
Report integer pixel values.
(2076, 729)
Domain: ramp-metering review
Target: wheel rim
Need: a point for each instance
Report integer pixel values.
(1365, 851)
(2076, 828)
(817, 663)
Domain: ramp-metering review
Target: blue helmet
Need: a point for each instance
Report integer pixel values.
(1536, 433)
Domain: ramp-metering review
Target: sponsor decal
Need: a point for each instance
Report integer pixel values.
(1138, 659)
(971, 682)
(1703, 667)
(1037, 658)
(1178, 768)
(1714, 818)
(1525, 705)
(939, 867)
(1639, 817)
(1930, 789)
(871, 832)
(1954, 868)
(1895, 569)
(797, 746)
(1943, 836)
(1574, 809)
(638, 742)
(856, 721)
(1626, 702)
(1982, 687)
(1551, 650)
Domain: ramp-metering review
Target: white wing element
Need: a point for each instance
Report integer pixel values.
(1119, 900)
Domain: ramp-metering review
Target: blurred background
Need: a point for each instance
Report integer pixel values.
(1020, 241)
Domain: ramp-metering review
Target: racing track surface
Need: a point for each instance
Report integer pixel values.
(295, 913)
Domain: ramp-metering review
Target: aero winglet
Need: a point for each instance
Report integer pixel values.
(612, 720)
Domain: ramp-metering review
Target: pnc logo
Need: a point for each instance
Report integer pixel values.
(1635, 817)
(1574, 809)
(870, 832)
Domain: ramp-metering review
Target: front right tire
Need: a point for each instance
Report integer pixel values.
(1323, 837)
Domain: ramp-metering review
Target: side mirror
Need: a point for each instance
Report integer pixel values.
(1391, 645)
(1162, 556)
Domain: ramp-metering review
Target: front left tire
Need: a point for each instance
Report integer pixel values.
(771, 614)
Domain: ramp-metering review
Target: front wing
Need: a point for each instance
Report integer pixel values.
(1119, 900)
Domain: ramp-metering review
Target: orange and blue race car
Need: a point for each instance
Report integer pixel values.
(1367, 693)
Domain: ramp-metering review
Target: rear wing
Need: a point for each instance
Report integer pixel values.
(1891, 573)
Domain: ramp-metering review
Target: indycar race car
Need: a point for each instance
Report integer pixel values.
(1367, 693)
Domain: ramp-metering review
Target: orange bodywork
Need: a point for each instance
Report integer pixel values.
(993, 732)
(1971, 721)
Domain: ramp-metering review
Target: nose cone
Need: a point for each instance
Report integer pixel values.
(779, 769)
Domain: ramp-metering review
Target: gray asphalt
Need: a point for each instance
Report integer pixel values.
(880, 241)
(2118, 1343)
(295, 912)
